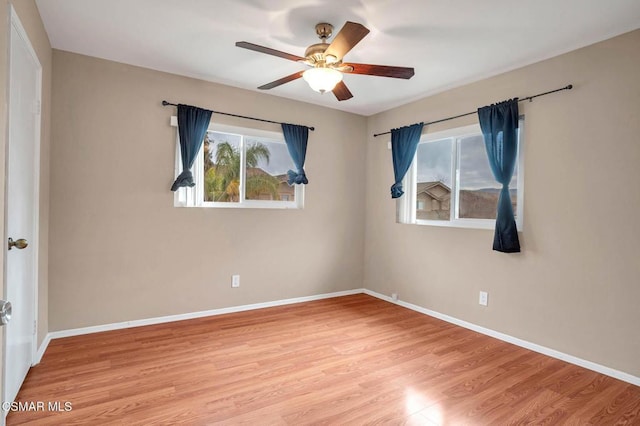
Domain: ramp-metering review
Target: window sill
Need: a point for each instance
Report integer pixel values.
(279, 206)
(464, 223)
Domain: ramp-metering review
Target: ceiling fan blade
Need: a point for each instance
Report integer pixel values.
(281, 81)
(342, 92)
(350, 35)
(268, 51)
(380, 70)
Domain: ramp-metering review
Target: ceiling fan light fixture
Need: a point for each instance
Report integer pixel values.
(322, 79)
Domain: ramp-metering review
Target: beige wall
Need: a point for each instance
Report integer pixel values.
(121, 251)
(575, 286)
(30, 18)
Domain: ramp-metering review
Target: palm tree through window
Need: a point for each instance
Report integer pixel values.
(263, 176)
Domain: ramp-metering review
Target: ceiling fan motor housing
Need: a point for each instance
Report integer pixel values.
(315, 53)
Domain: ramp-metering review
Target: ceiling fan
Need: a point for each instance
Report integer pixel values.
(326, 63)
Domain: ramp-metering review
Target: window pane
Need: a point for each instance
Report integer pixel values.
(267, 162)
(479, 191)
(222, 167)
(433, 189)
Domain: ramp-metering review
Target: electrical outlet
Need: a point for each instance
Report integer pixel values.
(484, 298)
(394, 297)
(235, 281)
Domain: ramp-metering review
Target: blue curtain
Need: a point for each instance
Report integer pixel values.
(296, 138)
(499, 125)
(404, 142)
(192, 126)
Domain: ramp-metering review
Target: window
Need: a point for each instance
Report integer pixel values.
(239, 167)
(450, 182)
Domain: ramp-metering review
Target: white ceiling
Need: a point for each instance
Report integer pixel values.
(448, 42)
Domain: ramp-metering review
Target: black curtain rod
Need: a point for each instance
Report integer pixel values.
(528, 98)
(165, 103)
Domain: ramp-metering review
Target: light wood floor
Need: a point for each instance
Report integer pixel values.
(345, 361)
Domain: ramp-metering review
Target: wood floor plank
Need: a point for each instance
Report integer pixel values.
(345, 361)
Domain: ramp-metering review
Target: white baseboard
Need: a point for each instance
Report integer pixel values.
(616, 374)
(626, 377)
(42, 348)
(192, 315)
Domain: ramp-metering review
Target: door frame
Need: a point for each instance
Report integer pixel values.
(17, 24)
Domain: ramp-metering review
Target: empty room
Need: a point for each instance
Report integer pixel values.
(320, 212)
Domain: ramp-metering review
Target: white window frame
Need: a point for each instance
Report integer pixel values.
(194, 197)
(407, 204)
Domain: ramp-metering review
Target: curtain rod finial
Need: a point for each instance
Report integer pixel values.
(570, 86)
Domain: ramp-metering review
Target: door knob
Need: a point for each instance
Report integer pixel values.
(19, 244)
(5, 312)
